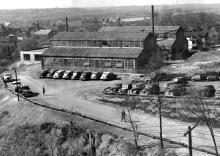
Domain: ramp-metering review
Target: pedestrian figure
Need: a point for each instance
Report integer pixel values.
(123, 115)
(43, 89)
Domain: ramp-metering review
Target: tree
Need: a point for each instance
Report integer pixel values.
(203, 110)
(30, 44)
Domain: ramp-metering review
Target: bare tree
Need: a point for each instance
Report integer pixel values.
(203, 110)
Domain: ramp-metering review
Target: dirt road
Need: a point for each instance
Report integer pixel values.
(80, 96)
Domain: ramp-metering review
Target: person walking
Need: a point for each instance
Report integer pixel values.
(43, 90)
(123, 115)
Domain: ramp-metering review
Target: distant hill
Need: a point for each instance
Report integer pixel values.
(26, 15)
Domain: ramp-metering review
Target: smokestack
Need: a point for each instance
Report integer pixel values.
(152, 9)
(67, 27)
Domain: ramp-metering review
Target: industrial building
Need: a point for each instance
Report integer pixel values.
(31, 56)
(127, 49)
(100, 51)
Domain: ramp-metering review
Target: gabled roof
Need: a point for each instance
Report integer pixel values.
(138, 29)
(93, 52)
(42, 32)
(108, 36)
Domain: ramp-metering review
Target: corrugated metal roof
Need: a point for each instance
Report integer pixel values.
(136, 29)
(93, 52)
(108, 36)
(42, 32)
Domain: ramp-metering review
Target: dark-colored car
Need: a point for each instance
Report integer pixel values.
(76, 75)
(43, 73)
(96, 75)
(29, 94)
(85, 76)
(108, 76)
(50, 73)
(212, 78)
(113, 90)
(21, 89)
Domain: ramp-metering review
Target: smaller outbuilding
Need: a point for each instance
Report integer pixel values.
(31, 56)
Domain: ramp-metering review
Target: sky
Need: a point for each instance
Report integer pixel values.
(24, 4)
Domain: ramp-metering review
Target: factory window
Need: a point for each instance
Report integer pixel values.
(119, 64)
(86, 64)
(37, 57)
(108, 64)
(104, 43)
(27, 57)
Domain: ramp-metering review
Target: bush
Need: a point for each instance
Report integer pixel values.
(208, 91)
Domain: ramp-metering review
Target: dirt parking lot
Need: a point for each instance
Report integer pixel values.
(81, 96)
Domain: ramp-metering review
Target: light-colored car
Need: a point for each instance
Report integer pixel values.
(196, 77)
(67, 74)
(58, 74)
(7, 77)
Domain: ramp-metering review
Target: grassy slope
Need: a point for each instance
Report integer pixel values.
(199, 62)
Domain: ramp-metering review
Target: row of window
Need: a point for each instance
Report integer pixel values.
(96, 63)
(27, 57)
(99, 43)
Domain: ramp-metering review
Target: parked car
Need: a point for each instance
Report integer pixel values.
(108, 76)
(76, 75)
(43, 73)
(176, 90)
(212, 78)
(29, 94)
(125, 88)
(137, 88)
(58, 74)
(50, 73)
(21, 89)
(96, 75)
(196, 77)
(150, 89)
(85, 76)
(7, 77)
(178, 80)
(16, 83)
(113, 90)
(67, 74)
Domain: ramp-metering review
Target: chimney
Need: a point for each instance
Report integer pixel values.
(152, 9)
(67, 27)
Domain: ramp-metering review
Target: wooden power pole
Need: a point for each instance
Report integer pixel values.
(16, 77)
(159, 100)
(190, 140)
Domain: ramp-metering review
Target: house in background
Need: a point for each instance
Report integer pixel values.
(72, 26)
(43, 36)
(31, 56)
(213, 37)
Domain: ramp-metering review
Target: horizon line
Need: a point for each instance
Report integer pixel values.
(110, 6)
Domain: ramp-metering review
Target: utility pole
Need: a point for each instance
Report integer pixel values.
(152, 13)
(189, 133)
(67, 26)
(190, 140)
(158, 96)
(17, 83)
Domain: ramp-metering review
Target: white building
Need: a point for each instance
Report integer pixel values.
(32, 56)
